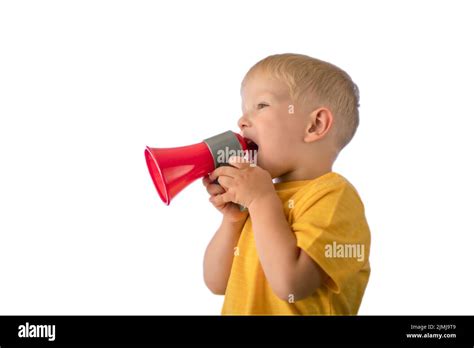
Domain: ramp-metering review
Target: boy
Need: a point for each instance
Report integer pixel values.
(302, 245)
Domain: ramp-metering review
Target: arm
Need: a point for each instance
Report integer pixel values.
(220, 251)
(289, 270)
(219, 255)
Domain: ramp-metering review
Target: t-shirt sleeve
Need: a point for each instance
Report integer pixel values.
(333, 231)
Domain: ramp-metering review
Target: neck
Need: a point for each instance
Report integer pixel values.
(304, 173)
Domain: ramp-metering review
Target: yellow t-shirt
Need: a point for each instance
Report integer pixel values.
(328, 219)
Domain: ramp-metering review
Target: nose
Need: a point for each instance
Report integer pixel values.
(243, 122)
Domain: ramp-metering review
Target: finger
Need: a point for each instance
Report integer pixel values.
(206, 181)
(222, 199)
(225, 181)
(219, 201)
(214, 189)
(224, 170)
(213, 200)
(239, 162)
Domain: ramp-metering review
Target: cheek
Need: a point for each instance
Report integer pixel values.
(271, 132)
(277, 140)
(282, 130)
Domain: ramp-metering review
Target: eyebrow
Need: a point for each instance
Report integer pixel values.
(268, 96)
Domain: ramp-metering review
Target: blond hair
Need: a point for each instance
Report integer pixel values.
(317, 83)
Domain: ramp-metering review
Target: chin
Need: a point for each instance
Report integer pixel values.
(274, 172)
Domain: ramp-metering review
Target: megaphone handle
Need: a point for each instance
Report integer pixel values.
(241, 207)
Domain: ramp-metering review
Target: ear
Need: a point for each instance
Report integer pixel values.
(320, 122)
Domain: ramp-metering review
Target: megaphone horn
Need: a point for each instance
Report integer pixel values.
(172, 169)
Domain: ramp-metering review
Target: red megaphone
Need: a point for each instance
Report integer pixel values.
(172, 169)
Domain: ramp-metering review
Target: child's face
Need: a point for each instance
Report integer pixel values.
(273, 122)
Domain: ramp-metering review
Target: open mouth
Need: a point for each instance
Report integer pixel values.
(251, 145)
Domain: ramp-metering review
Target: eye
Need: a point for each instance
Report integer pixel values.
(261, 105)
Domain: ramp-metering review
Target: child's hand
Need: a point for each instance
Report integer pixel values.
(231, 211)
(243, 183)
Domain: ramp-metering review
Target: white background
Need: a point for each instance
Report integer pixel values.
(85, 85)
